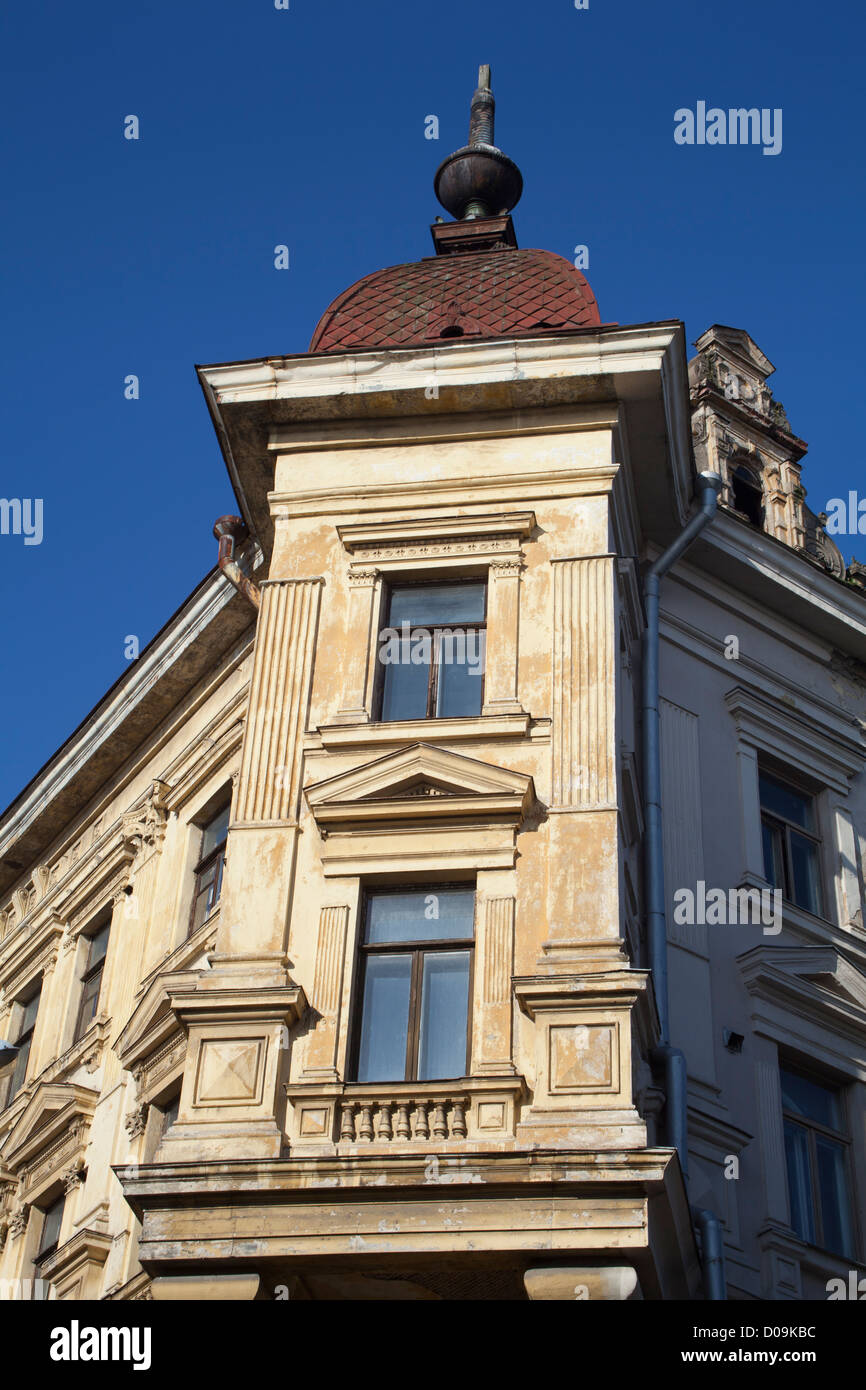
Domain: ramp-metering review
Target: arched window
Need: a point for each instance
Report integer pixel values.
(748, 494)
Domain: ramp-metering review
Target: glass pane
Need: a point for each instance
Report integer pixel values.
(215, 832)
(385, 1018)
(98, 946)
(799, 1186)
(786, 801)
(773, 861)
(437, 605)
(834, 1197)
(461, 673)
(51, 1226)
(434, 914)
(810, 1099)
(20, 1072)
(407, 678)
(28, 1015)
(89, 1001)
(804, 872)
(444, 1012)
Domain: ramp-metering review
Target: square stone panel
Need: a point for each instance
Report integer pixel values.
(314, 1123)
(583, 1057)
(229, 1071)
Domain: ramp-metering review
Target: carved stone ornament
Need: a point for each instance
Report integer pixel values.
(73, 1176)
(18, 1224)
(144, 827)
(136, 1121)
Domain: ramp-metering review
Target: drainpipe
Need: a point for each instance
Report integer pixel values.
(671, 1059)
(712, 1253)
(230, 531)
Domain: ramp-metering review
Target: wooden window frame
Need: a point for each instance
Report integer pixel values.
(784, 826)
(90, 973)
(43, 1252)
(417, 949)
(217, 855)
(395, 582)
(23, 1037)
(840, 1137)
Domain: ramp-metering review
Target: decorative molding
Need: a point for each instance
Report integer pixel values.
(583, 682)
(270, 783)
(495, 530)
(321, 1056)
(833, 755)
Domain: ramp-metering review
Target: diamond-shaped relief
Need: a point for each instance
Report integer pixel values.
(229, 1071)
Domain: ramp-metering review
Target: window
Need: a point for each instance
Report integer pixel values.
(432, 651)
(791, 847)
(748, 495)
(209, 870)
(49, 1239)
(91, 980)
(23, 1042)
(817, 1163)
(416, 958)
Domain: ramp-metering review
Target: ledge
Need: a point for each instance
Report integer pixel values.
(402, 731)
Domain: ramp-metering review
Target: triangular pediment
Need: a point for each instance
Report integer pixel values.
(48, 1115)
(736, 342)
(420, 773)
(153, 1022)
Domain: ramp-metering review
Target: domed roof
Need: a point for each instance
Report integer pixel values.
(483, 294)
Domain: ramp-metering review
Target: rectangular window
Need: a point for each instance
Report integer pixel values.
(816, 1155)
(91, 979)
(49, 1239)
(416, 951)
(432, 651)
(23, 1041)
(209, 869)
(791, 845)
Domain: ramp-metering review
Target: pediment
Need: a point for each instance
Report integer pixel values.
(153, 1023)
(820, 976)
(50, 1115)
(417, 781)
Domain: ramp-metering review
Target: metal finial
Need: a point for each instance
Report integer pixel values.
(479, 180)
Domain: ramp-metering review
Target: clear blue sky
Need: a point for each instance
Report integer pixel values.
(306, 127)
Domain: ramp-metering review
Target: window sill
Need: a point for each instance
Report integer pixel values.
(482, 726)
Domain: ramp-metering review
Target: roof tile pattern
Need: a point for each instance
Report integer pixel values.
(493, 294)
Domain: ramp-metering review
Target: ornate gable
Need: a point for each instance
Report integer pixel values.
(418, 809)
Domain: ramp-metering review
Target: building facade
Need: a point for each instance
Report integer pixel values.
(323, 941)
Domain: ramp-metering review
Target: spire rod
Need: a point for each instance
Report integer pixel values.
(479, 181)
(482, 111)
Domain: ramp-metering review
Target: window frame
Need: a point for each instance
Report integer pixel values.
(22, 1037)
(92, 970)
(842, 1138)
(394, 581)
(216, 855)
(44, 1252)
(417, 949)
(744, 473)
(784, 826)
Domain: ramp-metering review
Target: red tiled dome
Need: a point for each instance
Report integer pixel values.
(491, 294)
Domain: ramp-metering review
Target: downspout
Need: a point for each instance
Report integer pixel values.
(230, 531)
(671, 1059)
